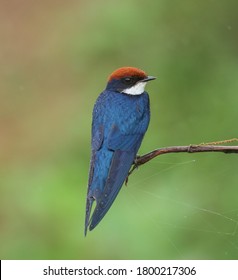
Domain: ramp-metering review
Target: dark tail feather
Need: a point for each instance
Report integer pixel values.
(89, 204)
(119, 169)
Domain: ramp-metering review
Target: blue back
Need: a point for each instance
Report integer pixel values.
(119, 124)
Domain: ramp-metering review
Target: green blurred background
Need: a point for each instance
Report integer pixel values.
(55, 57)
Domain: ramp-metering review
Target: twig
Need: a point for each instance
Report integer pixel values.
(203, 147)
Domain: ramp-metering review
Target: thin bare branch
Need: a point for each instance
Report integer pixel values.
(201, 148)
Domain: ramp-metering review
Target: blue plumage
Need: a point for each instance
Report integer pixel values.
(119, 123)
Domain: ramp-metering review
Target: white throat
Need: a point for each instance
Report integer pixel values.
(137, 89)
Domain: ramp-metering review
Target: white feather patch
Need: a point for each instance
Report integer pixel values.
(137, 89)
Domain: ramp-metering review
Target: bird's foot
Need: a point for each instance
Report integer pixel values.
(136, 160)
(135, 166)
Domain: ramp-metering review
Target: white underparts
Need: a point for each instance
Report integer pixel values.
(137, 89)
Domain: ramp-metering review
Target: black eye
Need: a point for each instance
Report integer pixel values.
(128, 80)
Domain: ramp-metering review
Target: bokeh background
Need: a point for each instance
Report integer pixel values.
(55, 57)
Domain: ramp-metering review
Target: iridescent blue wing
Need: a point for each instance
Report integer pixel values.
(113, 151)
(124, 149)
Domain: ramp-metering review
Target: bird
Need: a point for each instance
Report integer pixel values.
(120, 119)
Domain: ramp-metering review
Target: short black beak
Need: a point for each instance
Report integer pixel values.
(148, 78)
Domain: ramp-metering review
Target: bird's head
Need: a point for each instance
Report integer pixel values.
(128, 80)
